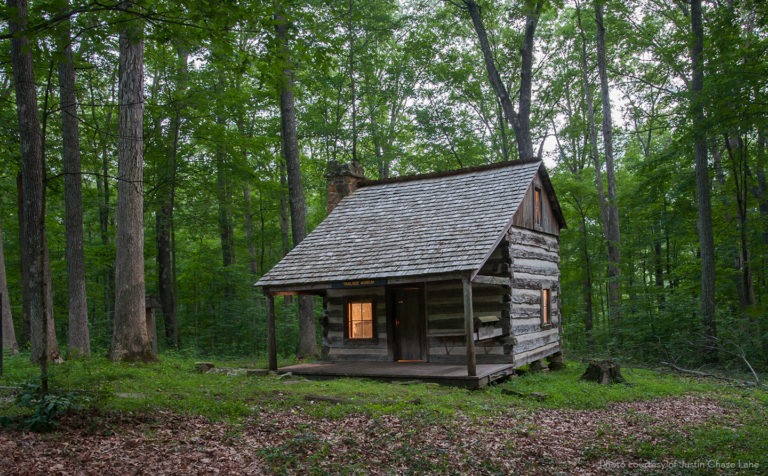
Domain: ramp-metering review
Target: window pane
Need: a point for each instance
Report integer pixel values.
(360, 324)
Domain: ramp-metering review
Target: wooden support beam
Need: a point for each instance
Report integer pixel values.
(271, 338)
(495, 280)
(469, 327)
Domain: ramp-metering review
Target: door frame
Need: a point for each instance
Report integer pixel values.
(393, 341)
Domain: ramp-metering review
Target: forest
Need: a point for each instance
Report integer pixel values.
(169, 153)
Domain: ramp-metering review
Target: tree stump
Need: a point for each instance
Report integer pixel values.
(603, 372)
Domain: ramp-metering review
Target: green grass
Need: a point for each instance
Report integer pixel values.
(174, 385)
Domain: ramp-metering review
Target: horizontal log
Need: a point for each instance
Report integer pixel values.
(524, 358)
(434, 295)
(527, 237)
(492, 280)
(529, 281)
(548, 267)
(539, 334)
(377, 291)
(526, 329)
(525, 298)
(537, 255)
(478, 307)
(528, 345)
(338, 357)
(372, 351)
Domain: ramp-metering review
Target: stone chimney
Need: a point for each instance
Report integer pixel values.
(342, 180)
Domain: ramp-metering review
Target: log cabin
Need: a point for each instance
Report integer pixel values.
(458, 270)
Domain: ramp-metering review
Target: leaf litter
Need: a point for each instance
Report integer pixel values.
(291, 441)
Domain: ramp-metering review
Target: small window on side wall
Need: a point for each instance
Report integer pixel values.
(360, 319)
(546, 307)
(537, 206)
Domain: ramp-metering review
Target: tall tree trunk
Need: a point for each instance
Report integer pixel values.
(307, 337)
(9, 343)
(285, 212)
(738, 156)
(586, 285)
(519, 120)
(352, 81)
(26, 325)
(704, 224)
(78, 336)
(51, 343)
(224, 197)
(605, 213)
(613, 234)
(130, 337)
(32, 176)
(102, 184)
(167, 191)
(249, 235)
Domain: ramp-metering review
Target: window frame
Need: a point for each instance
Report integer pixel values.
(538, 211)
(546, 308)
(347, 315)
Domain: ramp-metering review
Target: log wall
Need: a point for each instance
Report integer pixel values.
(535, 265)
(335, 347)
(445, 322)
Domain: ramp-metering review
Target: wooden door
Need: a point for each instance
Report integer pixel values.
(408, 321)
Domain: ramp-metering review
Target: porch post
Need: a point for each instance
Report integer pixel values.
(271, 340)
(469, 327)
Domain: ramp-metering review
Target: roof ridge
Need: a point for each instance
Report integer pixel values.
(447, 173)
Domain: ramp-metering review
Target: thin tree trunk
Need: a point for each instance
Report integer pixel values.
(307, 337)
(285, 221)
(130, 338)
(51, 343)
(352, 83)
(9, 343)
(102, 184)
(587, 286)
(520, 121)
(738, 155)
(704, 224)
(223, 194)
(78, 335)
(164, 219)
(32, 176)
(249, 235)
(613, 234)
(603, 201)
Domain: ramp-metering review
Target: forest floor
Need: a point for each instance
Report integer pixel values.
(166, 419)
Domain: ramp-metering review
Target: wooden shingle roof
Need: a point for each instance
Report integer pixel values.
(409, 227)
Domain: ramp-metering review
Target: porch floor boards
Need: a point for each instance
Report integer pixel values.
(444, 374)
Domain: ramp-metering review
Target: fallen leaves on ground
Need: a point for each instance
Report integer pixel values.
(291, 441)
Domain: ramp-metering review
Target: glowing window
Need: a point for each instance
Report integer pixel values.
(360, 320)
(545, 307)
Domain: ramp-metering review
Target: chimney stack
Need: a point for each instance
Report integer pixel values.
(343, 180)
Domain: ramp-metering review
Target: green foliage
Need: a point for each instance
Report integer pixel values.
(41, 412)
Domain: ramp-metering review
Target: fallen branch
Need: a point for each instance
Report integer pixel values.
(699, 373)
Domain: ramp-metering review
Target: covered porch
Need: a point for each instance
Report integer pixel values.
(443, 374)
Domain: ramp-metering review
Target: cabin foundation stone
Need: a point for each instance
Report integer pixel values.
(556, 361)
(536, 366)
